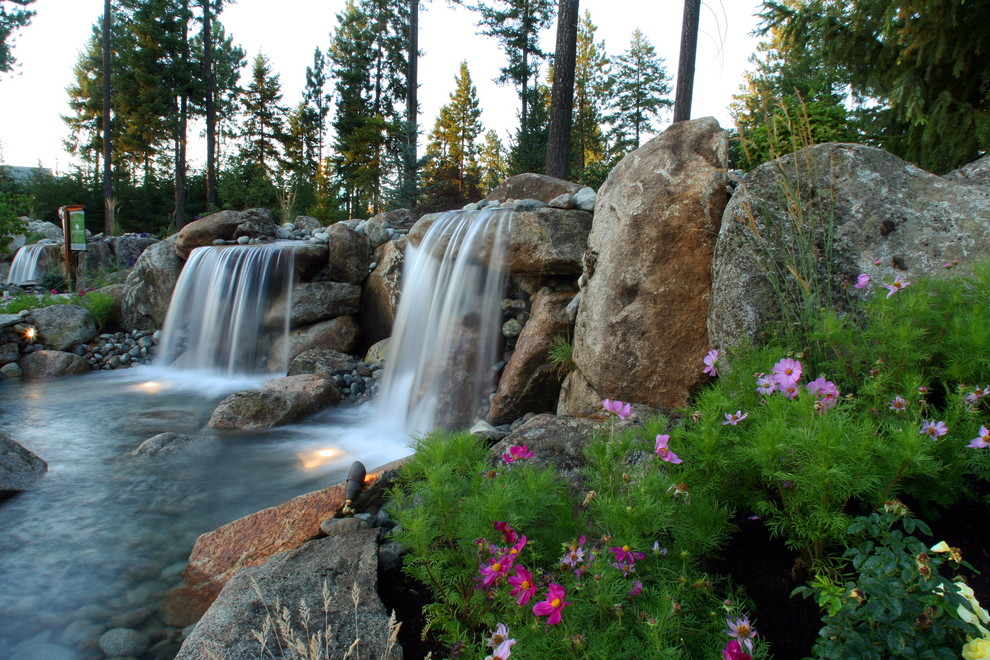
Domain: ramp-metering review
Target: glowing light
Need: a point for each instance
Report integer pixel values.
(30, 333)
(314, 458)
(149, 387)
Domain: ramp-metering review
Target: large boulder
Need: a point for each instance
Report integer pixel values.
(128, 248)
(977, 172)
(47, 229)
(319, 301)
(279, 401)
(52, 364)
(532, 186)
(98, 254)
(224, 225)
(339, 334)
(322, 361)
(861, 210)
(149, 286)
(345, 567)
(640, 333)
(309, 259)
(380, 297)
(398, 218)
(350, 254)
(554, 440)
(20, 468)
(64, 326)
(170, 442)
(530, 382)
(544, 241)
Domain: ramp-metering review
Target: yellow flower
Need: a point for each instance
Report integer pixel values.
(978, 616)
(976, 649)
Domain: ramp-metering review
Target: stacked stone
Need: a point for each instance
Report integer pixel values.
(360, 384)
(16, 340)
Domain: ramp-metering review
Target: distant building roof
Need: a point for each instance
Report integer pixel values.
(22, 173)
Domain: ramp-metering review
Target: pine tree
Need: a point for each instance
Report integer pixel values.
(592, 69)
(493, 162)
(317, 104)
(11, 19)
(264, 119)
(923, 63)
(640, 88)
(451, 175)
(529, 151)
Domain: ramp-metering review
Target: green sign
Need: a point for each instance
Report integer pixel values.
(77, 229)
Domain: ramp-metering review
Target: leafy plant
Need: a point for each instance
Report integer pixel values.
(561, 354)
(52, 280)
(899, 604)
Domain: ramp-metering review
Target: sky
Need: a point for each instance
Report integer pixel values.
(33, 97)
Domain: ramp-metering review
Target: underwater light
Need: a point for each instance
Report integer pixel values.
(315, 458)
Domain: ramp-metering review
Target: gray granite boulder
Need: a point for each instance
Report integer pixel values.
(532, 186)
(349, 254)
(319, 301)
(380, 296)
(224, 225)
(52, 364)
(149, 286)
(20, 468)
(279, 401)
(339, 334)
(64, 326)
(170, 442)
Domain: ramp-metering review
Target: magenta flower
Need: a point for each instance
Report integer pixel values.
(574, 554)
(731, 419)
(733, 651)
(636, 589)
(765, 384)
(508, 533)
(862, 281)
(517, 452)
(622, 410)
(825, 392)
(933, 429)
(626, 554)
(516, 548)
(973, 397)
(983, 441)
(711, 363)
(664, 452)
(742, 631)
(553, 605)
(895, 286)
(522, 585)
(496, 568)
(898, 404)
(787, 372)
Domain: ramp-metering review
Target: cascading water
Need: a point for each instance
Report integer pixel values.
(448, 325)
(30, 261)
(220, 318)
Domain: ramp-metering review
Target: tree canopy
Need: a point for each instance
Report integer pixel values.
(14, 14)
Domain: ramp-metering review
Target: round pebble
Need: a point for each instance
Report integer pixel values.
(124, 642)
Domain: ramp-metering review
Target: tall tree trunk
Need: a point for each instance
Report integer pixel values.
(685, 61)
(180, 128)
(211, 111)
(562, 96)
(412, 102)
(109, 222)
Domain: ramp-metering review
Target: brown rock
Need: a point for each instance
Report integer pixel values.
(380, 298)
(530, 382)
(640, 334)
(310, 259)
(349, 254)
(52, 364)
(319, 301)
(322, 361)
(339, 334)
(378, 352)
(279, 401)
(225, 225)
(532, 186)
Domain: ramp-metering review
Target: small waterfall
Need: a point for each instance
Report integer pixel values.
(447, 329)
(30, 261)
(220, 316)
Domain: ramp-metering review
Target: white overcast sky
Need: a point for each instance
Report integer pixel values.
(33, 97)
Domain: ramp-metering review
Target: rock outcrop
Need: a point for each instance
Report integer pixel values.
(532, 186)
(279, 401)
(350, 254)
(149, 286)
(20, 468)
(64, 326)
(640, 333)
(339, 334)
(380, 296)
(225, 226)
(861, 210)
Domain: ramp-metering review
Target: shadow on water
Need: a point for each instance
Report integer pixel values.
(109, 529)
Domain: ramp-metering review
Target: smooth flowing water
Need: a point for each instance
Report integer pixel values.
(30, 261)
(102, 527)
(221, 315)
(447, 329)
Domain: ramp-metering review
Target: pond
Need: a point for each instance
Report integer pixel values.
(105, 529)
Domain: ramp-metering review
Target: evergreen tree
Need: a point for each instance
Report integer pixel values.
(13, 15)
(264, 120)
(452, 175)
(493, 162)
(592, 67)
(529, 151)
(317, 107)
(640, 88)
(516, 24)
(924, 63)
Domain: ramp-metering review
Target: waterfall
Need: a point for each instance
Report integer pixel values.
(30, 261)
(447, 329)
(220, 317)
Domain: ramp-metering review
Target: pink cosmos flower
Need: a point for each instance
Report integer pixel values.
(765, 384)
(983, 441)
(733, 651)
(636, 589)
(742, 631)
(573, 556)
(973, 397)
(711, 363)
(731, 419)
(500, 635)
(496, 568)
(825, 392)
(502, 651)
(895, 286)
(933, 429)
(898, 404)
(508, 533)
(522, 585)
(517, 452)
(664, 452)
(626, 554)
(553, 605)
(862, 281)
(622, 410)
(787, 372)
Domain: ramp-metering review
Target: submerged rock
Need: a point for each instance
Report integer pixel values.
(20, 468)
